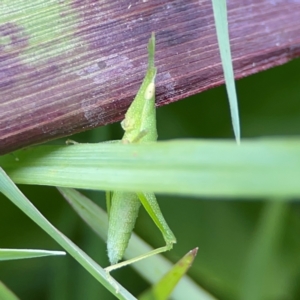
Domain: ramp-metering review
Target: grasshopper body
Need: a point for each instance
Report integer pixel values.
(123, 207)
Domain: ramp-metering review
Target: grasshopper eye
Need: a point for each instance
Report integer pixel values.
(126, 124)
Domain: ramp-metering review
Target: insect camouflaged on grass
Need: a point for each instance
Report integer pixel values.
(123, 207)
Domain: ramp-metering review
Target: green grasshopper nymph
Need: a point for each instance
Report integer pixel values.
(123, 207)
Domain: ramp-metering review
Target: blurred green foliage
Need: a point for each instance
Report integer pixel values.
(224, 231)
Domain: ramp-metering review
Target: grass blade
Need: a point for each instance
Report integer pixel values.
(164, 287)
(257, 168)
(9, 254)
(9, 189)
(220, 14)
(6, 293)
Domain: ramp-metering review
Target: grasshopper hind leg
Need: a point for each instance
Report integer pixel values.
(150, 204)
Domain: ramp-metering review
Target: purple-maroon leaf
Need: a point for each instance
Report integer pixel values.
(67, 66)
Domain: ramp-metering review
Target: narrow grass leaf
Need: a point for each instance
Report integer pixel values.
(220, 15)
(6, 293)
(10, 254)
(90, 212)
(9, 189)
(164, 287)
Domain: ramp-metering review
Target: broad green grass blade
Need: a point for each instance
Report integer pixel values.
(151, 268)
(8, 188)
(220, 14)
(257, 168)
(164, 287)
(9, 254)
(6, 293)
(263, 253)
